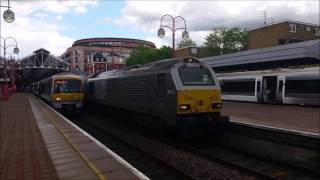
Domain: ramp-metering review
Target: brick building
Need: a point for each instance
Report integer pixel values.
(283, 32)
(96, 55)
(193, 51)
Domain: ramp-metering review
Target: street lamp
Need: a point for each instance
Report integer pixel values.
(8, 15)
(161, 32)
(15, 51)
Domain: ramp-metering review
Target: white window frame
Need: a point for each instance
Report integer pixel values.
(316, 33)
(293, 28)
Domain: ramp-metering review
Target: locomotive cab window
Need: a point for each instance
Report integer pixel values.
(195, 76)
(67, 86)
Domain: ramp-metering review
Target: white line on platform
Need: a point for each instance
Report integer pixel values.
(291, 131)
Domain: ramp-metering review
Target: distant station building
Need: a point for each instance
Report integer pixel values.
(282, 32)
(275, 34)
(96, 55)
(39, 65)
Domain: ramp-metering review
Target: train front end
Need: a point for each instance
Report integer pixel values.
(199, 95)
(67, 93)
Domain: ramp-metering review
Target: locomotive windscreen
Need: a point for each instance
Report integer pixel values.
(67, 86)
(192, 76)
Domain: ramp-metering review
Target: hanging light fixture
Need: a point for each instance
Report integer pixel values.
(161, 32)
(185, 35)
(8, 16)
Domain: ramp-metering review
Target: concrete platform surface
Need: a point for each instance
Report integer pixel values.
(39, 143)
(297, 118)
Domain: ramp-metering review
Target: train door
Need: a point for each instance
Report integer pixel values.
(166, 98)
(161, 92)
(280, 89)
(259, 89)
(269, 89)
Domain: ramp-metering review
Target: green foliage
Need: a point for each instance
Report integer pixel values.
(222, 40)
(143, 55)
(187, 42)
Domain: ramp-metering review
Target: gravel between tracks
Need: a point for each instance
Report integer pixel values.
(187, 162)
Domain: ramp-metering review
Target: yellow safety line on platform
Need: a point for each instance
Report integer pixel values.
(83, 157)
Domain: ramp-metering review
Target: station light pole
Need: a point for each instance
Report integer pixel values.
(15, 51)
(173, 28)
(8, 17)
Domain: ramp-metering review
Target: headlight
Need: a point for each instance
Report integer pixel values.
(185, 106)
(216, 105)
(58, 99)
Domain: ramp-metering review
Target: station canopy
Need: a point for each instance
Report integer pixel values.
(41, 64)
(282, 56)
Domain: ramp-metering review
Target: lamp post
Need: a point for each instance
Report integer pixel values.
(8, 17)
(173, 28)
(15, 51)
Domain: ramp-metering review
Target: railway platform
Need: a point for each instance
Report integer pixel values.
(39, 143)
(286, 117)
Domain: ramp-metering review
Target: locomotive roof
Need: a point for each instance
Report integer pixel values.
(155, 65)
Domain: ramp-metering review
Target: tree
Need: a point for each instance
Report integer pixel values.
(185, 43)
(222, 40)
(143, 55)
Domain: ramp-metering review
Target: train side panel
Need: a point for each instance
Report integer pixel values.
(285, 86)
(302, 89)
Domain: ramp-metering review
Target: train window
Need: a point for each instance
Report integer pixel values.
(238, 87)
(258, 86)
(67, 86)
(161, 85)
(191, 76)
(302, 87)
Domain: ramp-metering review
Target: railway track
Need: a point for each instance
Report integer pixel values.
(147, 164)
(203, 160)
(251, 163)
(184, 163)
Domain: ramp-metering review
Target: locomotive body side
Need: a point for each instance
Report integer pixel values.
(162, 89)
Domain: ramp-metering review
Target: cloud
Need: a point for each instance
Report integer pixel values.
(202, 16)
(59, 17)
(37, 24)
(32, 35)
(107, 21)
(52, 6)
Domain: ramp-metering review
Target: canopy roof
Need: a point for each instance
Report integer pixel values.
(307, 52)
(41, 64)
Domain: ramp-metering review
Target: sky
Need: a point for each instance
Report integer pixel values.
(56, 24)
